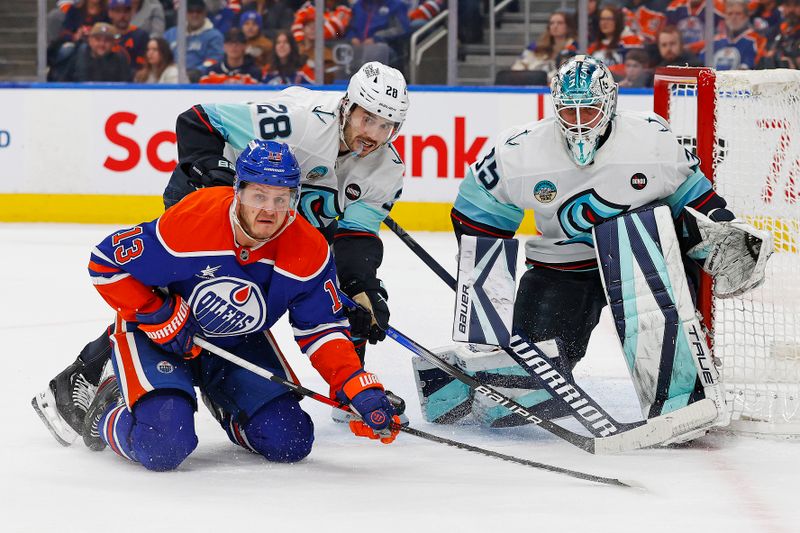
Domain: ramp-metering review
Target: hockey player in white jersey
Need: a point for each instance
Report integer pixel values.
(595, 177)
(351, 177)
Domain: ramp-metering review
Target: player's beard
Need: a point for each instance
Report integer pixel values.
(260, 225)
(359, 145)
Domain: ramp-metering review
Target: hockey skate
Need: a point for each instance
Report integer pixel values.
(108, 395)
(343, 417)
(63, 404)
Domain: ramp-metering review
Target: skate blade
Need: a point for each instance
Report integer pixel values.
(44, 404)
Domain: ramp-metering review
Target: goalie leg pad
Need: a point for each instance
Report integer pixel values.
(443, 399)
(485, 291)
(664, 345)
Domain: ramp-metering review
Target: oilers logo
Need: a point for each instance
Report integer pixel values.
(579, 214)
(228, 306)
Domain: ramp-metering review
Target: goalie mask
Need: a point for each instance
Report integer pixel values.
(381, 92)
(585, 99)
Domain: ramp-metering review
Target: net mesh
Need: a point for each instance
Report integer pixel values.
(756, 169)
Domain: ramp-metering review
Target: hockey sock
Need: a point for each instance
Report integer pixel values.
(163, 434)
(280, 431)
(115, 429)
(94, 356)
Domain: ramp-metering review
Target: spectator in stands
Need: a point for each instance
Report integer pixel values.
(286, 64)
(379, 21)
(130, 39)
(96, 60)
(645, 18)
(613, 39)
(337, 19)
(258, 46)
(424, 11)
(276, 15)
(225, 16)
(765, 17)
(739, 46)
(637, 70)
(308, 49)
(689, 16)
(148, 15)
(784, 50)
(204, 44)
(671, 51)
(159, 66)
(237, 68)
(79, 18)
(557, 39)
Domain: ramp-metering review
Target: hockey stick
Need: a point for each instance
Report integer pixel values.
(654, 432)
(266, 374)
(420, 252)
(588, 412)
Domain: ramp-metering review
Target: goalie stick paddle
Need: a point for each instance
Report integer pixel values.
(638, 437)
(299, 389)
(587, 411)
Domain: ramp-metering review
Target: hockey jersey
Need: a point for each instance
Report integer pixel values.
(528, 167)
(742, 51)
(691, 21)
(191, 251)
(359, 191)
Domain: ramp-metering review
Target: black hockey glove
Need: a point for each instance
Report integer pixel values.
(368, 323)
(211, 171)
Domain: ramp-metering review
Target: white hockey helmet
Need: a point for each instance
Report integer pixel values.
(585, 100)
(382, 91)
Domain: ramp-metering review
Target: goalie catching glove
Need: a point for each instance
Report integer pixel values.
(172, 326)
(371, 321)
(368, 400)
(735, 253)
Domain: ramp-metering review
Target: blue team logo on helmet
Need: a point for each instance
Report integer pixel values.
(579, 214)
(228, 306)
(268, 163)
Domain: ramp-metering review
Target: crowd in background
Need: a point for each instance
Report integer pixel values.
(273, 41)
(634, 37)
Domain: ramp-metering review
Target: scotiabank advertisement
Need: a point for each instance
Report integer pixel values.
(121, 141)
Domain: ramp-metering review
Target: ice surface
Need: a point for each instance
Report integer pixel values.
(50, 310)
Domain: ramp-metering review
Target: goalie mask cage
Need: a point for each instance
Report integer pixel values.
(745, 127)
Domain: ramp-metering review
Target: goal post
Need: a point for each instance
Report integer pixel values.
(745, 127)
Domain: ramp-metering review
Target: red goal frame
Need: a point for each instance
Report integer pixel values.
(705, 80)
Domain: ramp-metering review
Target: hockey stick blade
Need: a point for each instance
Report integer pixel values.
(572, 473)
(266, 374)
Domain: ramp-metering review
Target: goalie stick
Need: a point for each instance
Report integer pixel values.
(585, 409)
(651, 433)
(299, 389)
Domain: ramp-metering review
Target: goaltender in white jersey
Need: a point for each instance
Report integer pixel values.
(640, 162)
(616, 191)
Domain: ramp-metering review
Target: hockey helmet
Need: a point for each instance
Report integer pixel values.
(382, 91)
(267, 163)
(585, 100)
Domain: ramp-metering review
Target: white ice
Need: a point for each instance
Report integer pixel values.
(50, 310)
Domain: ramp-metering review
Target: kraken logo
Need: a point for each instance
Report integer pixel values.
(579, 214)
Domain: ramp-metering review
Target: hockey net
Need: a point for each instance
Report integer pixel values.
(745, 127)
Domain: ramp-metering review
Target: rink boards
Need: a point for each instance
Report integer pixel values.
(103, 154)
